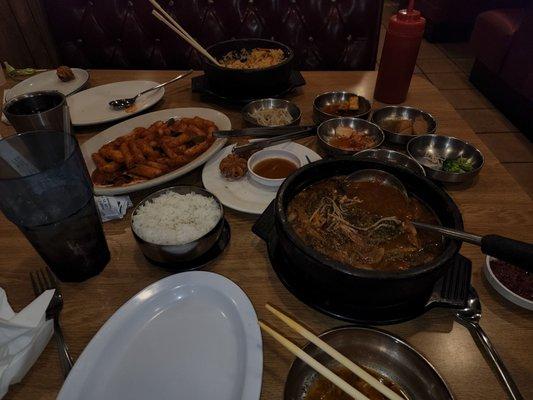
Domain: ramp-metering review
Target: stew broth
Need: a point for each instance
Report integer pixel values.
(274, 168)
(364, 225)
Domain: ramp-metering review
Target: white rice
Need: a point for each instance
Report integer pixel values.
(174, 219)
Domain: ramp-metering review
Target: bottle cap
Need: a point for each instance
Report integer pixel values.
(409, 23)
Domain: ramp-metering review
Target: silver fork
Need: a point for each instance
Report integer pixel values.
(42, 280)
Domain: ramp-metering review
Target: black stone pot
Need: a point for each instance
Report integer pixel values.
(250, 82)
(359, 294)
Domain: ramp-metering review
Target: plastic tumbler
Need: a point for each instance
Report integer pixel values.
(47, 192)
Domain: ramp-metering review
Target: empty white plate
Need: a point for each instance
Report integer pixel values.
(93, 144)
(91, 106)
(49, 81)
(246, 194)
(191, 336)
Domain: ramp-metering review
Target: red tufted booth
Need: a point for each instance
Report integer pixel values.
(326, 34)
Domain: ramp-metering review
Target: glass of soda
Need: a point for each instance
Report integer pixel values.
(47, 192)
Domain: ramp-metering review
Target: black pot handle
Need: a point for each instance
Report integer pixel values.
(509, 250)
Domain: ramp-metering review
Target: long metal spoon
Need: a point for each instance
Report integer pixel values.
(469, 317)
(120, 104)
(513, 251)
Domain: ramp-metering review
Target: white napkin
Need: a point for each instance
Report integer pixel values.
(3, 117)
(23, 337)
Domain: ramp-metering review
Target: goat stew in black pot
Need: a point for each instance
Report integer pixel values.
(355, 241)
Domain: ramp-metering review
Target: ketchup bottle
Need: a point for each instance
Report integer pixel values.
(399, 54)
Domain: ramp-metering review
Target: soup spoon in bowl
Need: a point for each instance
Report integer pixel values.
(512, 251)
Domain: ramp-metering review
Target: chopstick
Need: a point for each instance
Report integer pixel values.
(165, 17)
(318, 367)
(273, 141)
(343, 360)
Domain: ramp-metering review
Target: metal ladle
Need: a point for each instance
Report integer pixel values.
(512, 251)
(469, 317)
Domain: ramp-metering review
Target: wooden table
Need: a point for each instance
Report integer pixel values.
(493, 203)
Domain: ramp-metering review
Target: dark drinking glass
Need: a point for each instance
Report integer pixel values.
(46, 191)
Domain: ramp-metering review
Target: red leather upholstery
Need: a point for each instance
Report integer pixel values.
(492, 36)
(325, 34)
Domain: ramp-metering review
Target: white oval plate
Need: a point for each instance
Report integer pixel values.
(245, 194)
(502, 290)
(91, 106)
(192, 335)
(49, 81)
(93, 145)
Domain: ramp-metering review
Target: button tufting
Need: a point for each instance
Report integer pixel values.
(210, 1)
(80, 41)
(311, 38)
(119, 40)
(90, 3)
(170, 3)
(157, 40)
(130, 3)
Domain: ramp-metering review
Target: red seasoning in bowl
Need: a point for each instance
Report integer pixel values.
(516, 279)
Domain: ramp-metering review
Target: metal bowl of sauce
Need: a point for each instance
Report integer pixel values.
(391, 360)
(270, 167)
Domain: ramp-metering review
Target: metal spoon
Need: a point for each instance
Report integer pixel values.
(120, 104)
(469, 317)
(506, 249)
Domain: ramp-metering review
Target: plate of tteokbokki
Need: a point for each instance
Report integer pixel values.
(152, 149)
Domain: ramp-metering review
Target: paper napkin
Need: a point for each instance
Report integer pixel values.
(23, 337)
(112, 207)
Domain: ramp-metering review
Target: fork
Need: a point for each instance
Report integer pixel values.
(41, 281)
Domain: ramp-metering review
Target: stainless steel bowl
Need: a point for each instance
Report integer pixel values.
(328, 98)
(376, 350)
(171, 254)
(392, 157)
(445, 147)
(327, 129)
(403, 112)
(269, 104)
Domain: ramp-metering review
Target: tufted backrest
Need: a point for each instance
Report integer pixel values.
(325, 34)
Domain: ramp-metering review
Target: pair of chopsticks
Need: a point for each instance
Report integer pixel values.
(165, 18)
(320, 368)
(299, 134)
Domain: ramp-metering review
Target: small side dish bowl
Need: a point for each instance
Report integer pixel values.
(392, 157)
(270, 104)
(402, 112)
(329, 98)
(326, 130)
(502, 289)
(173, 254)
(376, 350)
(445, 147)
(266, 154)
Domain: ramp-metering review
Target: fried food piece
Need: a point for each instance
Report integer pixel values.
(233, 167)
(146, 171)
(64, 73)
(145, 153)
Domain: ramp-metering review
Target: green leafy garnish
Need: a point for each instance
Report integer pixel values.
(13, 72)
(458, 165)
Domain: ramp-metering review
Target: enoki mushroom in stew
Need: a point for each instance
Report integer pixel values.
(363, 225)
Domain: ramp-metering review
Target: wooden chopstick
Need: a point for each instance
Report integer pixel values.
(165, 17)
(357, 370)
(185, 37)
(317, 366)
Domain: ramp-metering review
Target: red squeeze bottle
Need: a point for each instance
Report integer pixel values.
(399, 54)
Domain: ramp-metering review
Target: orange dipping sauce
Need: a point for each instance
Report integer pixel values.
(274, 168)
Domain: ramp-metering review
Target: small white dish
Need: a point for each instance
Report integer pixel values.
(93, 145)
(91, 106)
(265, 154)
(502, 290)
(192, 335)
(49, 81)
(245, 194)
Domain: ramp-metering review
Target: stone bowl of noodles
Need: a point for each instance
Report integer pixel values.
(249, 67)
